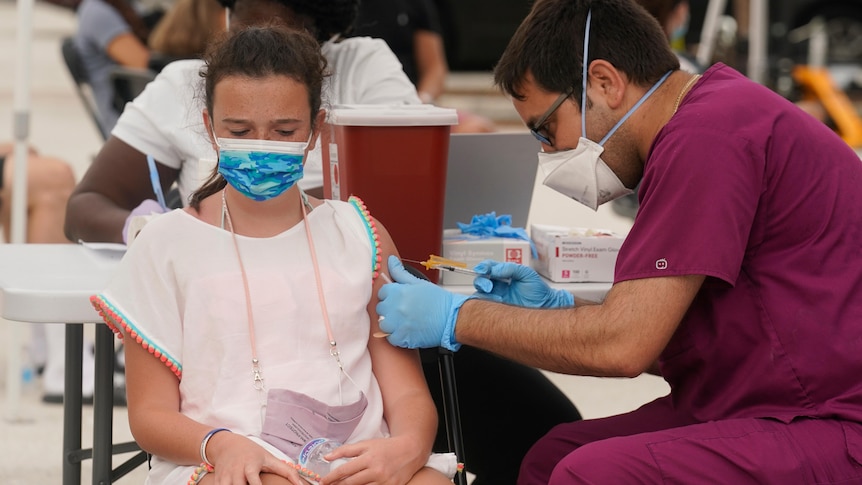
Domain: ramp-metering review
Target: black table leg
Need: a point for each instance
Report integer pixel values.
(72, 404)
(103, 406)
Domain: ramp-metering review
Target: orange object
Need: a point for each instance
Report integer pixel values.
(435, 261)
(818, 84)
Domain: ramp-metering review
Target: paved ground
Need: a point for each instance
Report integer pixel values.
(30, 441)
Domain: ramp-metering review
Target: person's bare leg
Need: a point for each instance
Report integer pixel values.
(49, 183)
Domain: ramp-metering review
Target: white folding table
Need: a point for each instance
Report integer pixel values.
(52, 283)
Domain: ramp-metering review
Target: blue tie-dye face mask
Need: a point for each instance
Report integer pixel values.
(260, 169)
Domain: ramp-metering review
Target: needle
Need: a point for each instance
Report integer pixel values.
(455, 269)
(431, 264)
(436, 262)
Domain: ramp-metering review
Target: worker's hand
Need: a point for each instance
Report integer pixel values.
(146, 208)
(517, 284)
(417, 313)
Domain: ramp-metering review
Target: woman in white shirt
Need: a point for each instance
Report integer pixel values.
(164, 120)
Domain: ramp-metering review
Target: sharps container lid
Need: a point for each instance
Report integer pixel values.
(393, 115)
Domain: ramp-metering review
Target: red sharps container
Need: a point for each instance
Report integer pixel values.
(394, 159)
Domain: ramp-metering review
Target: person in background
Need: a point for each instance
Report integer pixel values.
(308, 271)
(118, 185)
(673, 17)
(186, 29)
(740, 281)
(50, 180)
(104, 40)
(413, 31)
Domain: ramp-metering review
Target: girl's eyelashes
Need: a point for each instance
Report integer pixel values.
(238, 133)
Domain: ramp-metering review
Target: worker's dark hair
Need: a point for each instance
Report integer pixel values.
(549, 44)
(327, 18)
(259, 52)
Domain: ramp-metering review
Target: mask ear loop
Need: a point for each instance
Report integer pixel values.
(215, 137)
(584, 74)
(584, 91)
(636, 106)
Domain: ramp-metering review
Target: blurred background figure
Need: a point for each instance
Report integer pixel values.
(49, 183)
(186, 29)
(673, 16)
(413, 31)
(110, 33)
(50, 180)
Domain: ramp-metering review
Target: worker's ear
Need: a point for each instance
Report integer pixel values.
(604, 81)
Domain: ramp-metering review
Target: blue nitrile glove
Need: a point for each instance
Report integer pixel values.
(417, 313)
(519, 285)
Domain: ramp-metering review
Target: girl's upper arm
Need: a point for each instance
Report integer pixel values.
(151, 386)
(390, 363)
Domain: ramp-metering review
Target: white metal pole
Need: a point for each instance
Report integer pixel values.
(21, 120)
(21, 129)
(758, 38)
(709, 32)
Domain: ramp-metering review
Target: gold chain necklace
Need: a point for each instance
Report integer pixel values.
(684, 90)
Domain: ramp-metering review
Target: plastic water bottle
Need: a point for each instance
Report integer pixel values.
(312, 453)
(28, 372)
(28, 376)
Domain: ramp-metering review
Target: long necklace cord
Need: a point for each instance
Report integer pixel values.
(259, 383)
(257, 373)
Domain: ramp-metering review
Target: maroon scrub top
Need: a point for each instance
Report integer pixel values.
(766, 201)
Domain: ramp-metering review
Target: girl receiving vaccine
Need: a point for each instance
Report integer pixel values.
(248, 315)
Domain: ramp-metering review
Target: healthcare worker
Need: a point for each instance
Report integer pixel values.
(740, 281)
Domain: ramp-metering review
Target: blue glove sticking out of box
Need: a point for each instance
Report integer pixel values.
(519, 285)
(490, 225)
(417, 313)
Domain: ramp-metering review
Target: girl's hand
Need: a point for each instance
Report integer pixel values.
(240, 461)
(389, 461)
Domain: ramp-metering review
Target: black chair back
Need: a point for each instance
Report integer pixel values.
(75, 66)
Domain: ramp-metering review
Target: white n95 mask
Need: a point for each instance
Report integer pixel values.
(582, 175)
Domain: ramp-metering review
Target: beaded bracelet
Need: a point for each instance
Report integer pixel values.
(207, 440)
(199, 473)
(304, 472)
